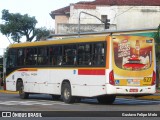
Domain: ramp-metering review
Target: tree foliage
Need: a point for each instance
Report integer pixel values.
(42, 33)
(157, 39)
(157, 35)
(17, 25)
(1, 60)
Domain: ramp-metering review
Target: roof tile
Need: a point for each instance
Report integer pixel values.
(128, 2)
(107, 2)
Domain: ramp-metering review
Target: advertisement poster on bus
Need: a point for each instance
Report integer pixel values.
(133, 53)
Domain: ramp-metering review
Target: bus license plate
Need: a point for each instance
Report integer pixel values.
(133, 90)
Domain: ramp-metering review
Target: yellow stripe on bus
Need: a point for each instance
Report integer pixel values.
(56, 42)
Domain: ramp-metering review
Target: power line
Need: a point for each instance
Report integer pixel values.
(122, 12)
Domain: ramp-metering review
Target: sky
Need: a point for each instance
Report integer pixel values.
(38, 8)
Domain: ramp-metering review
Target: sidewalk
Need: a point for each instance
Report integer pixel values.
(6, 91)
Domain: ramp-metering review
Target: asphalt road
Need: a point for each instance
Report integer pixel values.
(42, 102)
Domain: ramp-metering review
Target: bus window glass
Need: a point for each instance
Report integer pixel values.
(12, 58)
(55, 55)
(31, 56)
(42, 56)
(70, 55)
(98, 54)
(20, 57)
(84, 54)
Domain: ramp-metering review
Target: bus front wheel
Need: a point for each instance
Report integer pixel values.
(67, 94)
(22, 94)
(108, 99)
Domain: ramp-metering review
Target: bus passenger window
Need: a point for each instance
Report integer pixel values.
(31, 56)
(98, 54)
(59, 60)
(11, 59)
(42, 56)
(85, 54)
(52, 58)
(70, 55)
(20, 57)
(55, 55)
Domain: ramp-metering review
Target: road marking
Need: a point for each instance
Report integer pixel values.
(31, 103)
(48, 103)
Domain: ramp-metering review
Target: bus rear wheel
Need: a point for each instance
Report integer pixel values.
(67, 94)
(22, 94)
(108, 99)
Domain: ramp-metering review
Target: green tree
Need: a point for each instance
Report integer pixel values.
(17, 25)
(42, 33)
(1, 64)
(1, 60)
(157, 39)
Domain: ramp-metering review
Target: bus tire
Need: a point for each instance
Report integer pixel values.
(67, 94)
(107, 99)
(55, 97)
(22, 94)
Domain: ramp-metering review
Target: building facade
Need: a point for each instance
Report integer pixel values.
(123, 14)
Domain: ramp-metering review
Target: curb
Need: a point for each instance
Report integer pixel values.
(152, 97)
(8, 92)
(149, 97)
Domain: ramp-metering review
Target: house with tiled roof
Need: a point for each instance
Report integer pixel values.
(123, 14)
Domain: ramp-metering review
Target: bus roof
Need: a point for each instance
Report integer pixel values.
(85, 37)
(59, 41)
